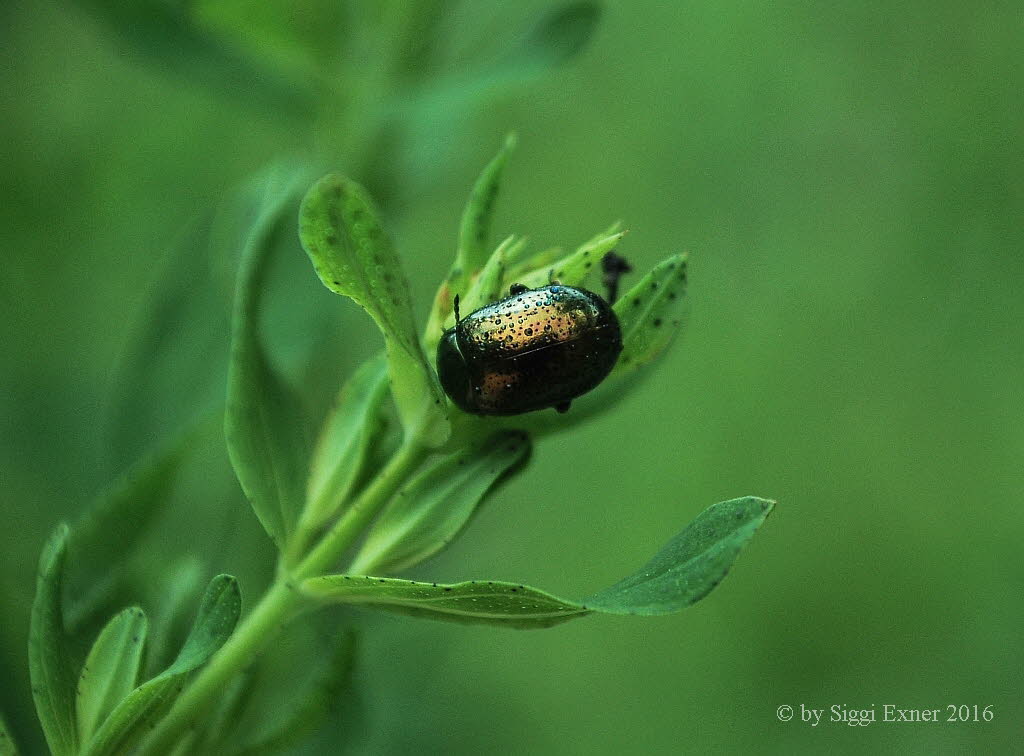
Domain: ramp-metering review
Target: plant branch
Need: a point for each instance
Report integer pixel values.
(358, 516)
(252, 635)
(280, 603)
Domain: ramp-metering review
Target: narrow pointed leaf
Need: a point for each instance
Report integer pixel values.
(689, 567)
(543, 259)
(573, 269)
(475, 602)
(51, 666)
(478, 216)
(474, 238)
(7, 747)
(344, 442)
(263, 423)
(650, 314)
(489, 284)
(343, 236)
(215, 621)
(433, 507)
(111, 670)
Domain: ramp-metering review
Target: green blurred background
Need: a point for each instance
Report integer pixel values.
(849, 180)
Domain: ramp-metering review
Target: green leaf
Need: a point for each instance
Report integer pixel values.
(343, 445)
(689, 567)
(543, 259)
(263, 423)
(474, 238)
(480, 602)
(489, 284)
(215, 621)
(343, 236)
(173, 371)
(429, 511)
(7, 747)
(650, 314)
(111, 670)
(51, 666)
(109, 529)
(346, 242)
(478, 216)
(573, 269)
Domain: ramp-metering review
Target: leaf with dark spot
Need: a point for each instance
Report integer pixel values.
(353, 256)
(689, 567)
(643, 310)
(111, 670)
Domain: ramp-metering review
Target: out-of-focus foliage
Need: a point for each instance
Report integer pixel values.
(848, 183)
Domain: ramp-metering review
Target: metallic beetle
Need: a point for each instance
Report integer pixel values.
(536, 348)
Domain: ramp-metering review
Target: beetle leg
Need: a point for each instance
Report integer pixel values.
(563, 407)
(456, 307)
(517, 288)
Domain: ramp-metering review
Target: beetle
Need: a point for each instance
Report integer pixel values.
(534, 349)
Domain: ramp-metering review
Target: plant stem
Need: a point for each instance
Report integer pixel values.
(249, 638)
(280, 603)
(358, 516)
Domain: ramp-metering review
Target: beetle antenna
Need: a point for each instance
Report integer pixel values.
(614, 267)
(458, 317)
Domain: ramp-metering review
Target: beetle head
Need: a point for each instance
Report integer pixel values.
(453, 372)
